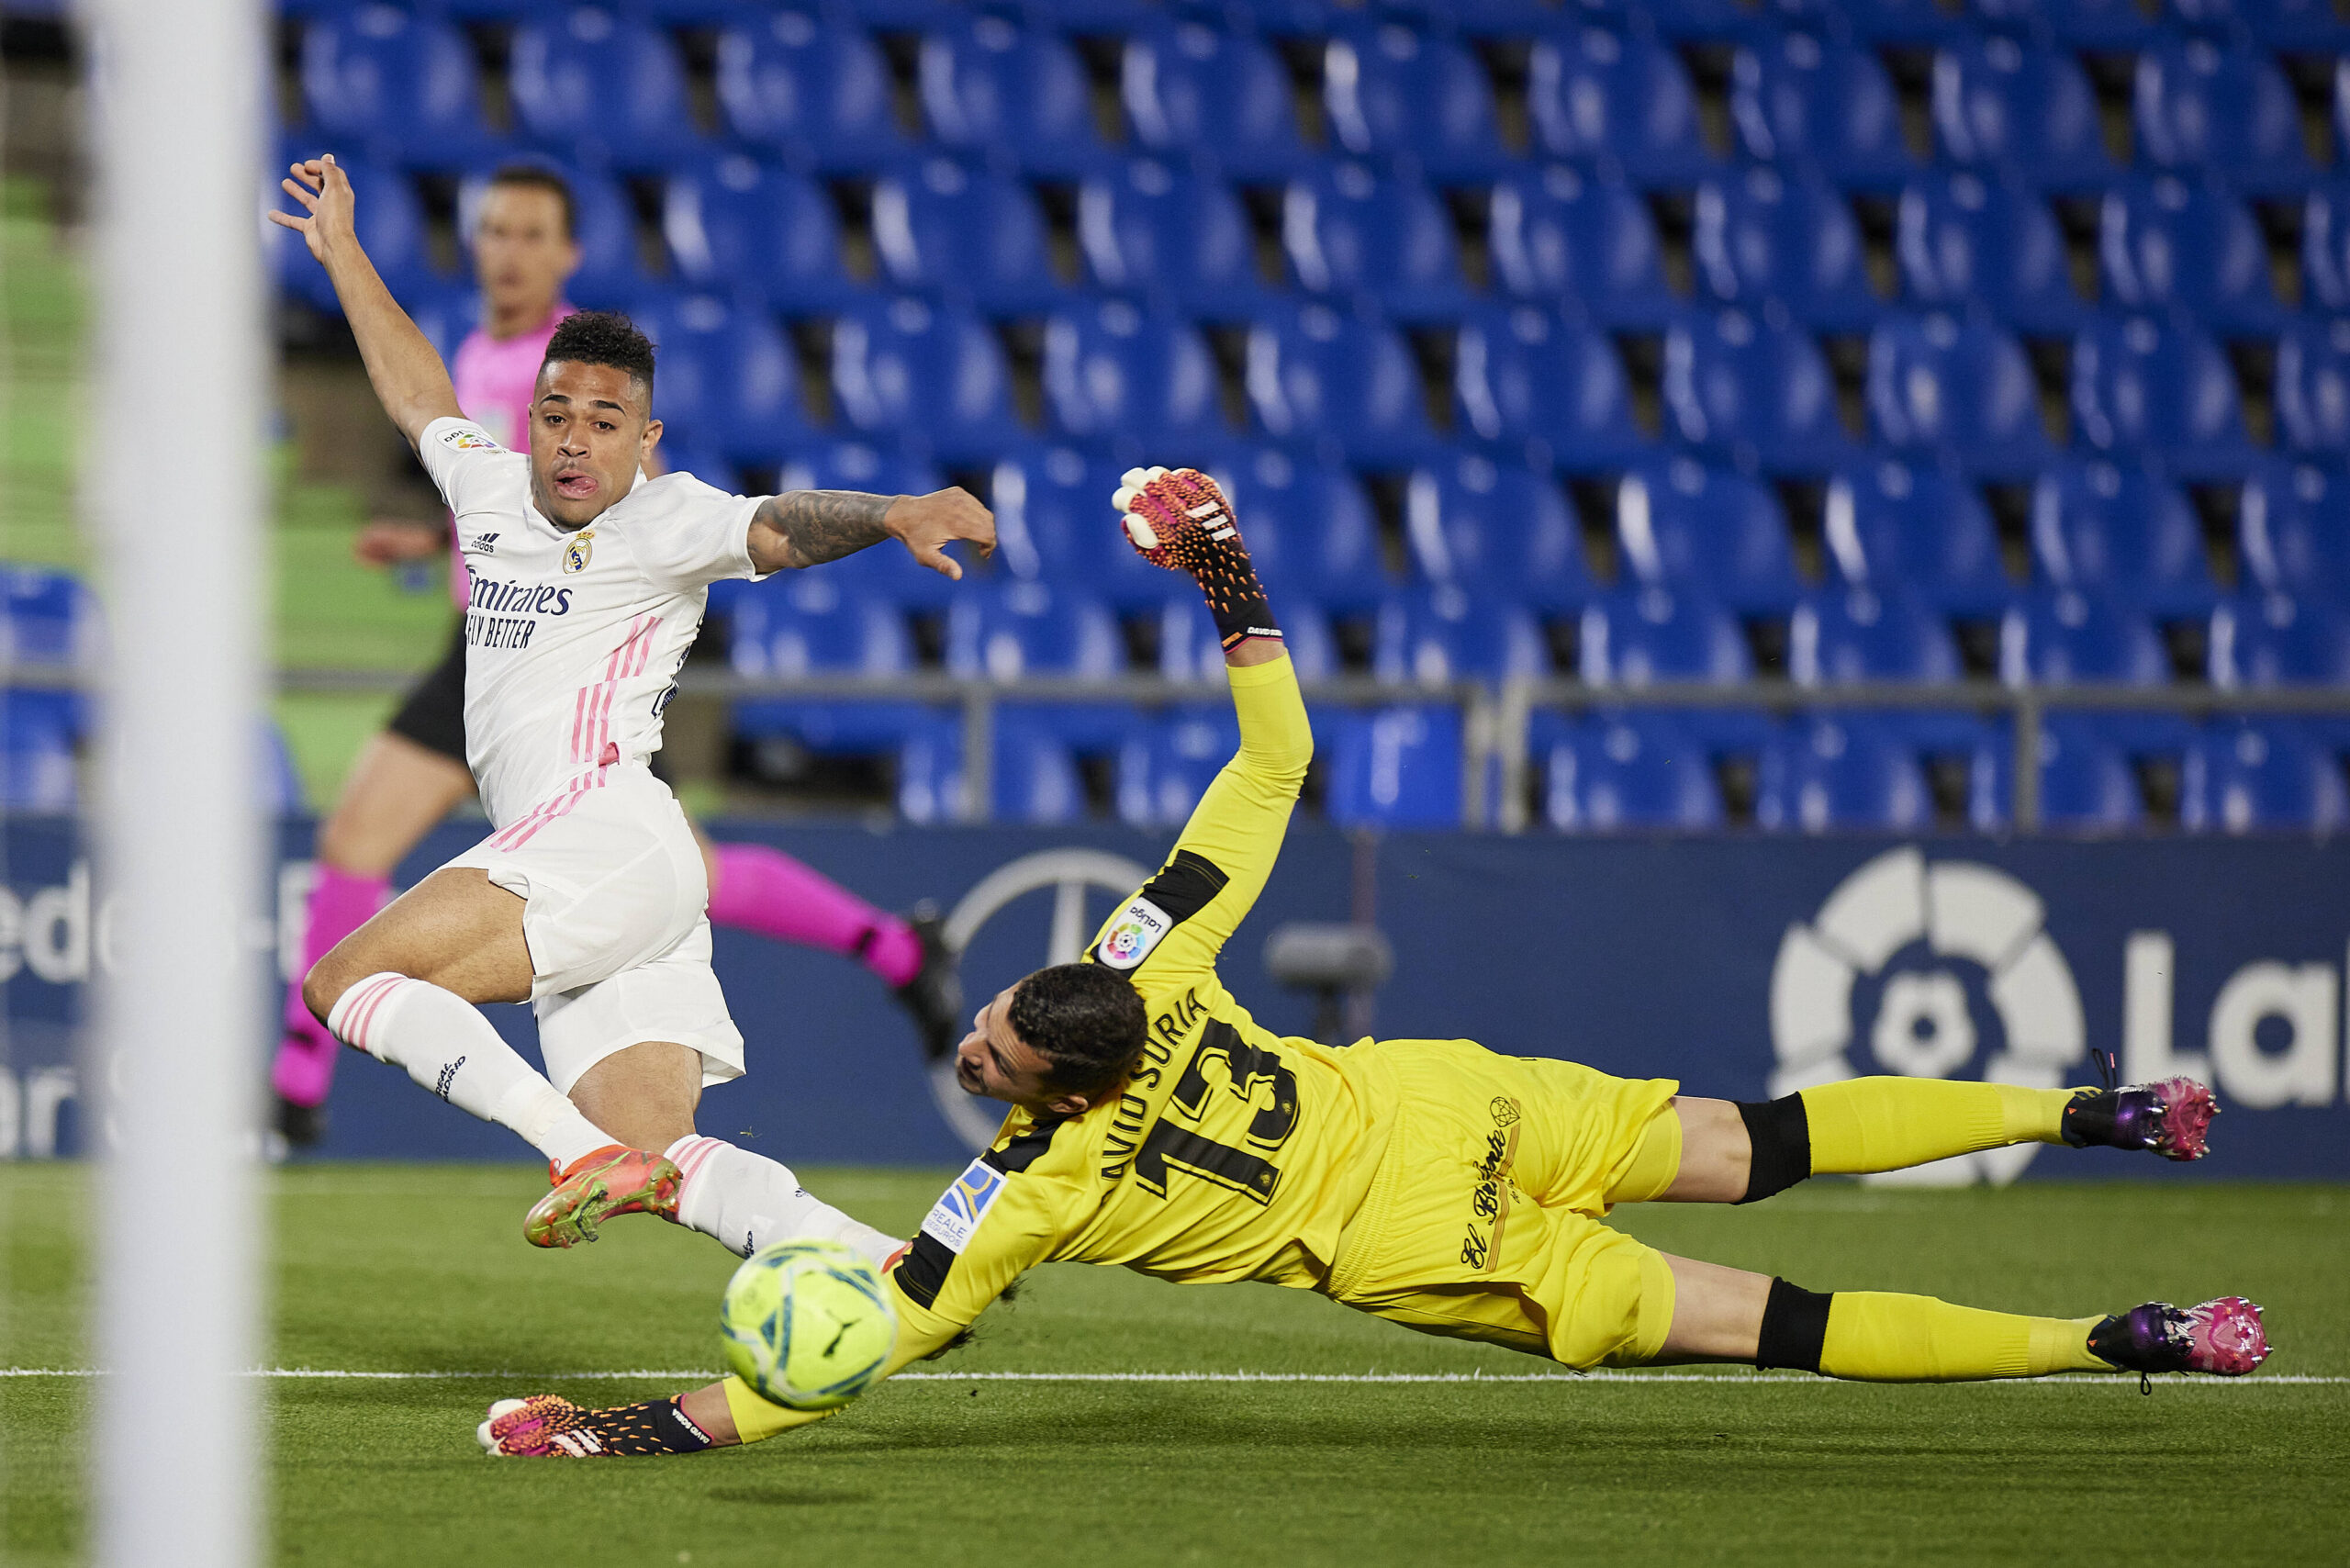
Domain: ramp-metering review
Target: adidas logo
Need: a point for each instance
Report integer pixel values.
(448, 1076)
(482, 545)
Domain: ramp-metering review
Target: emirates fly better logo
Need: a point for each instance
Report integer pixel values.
(1928, 970)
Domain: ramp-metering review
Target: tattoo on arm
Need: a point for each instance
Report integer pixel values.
(817, 526)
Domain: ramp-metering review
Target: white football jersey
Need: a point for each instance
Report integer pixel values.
(573, 640)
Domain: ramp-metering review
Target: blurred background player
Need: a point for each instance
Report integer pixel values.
(410, 775)
(1433, 1182)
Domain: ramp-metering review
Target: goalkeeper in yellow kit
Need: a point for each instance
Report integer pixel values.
(1462, 1192)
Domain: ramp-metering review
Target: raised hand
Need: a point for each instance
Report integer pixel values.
(927, 524)
(1180, 519)
(328, 203)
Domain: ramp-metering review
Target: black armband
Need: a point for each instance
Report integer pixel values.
(1795, 1328)
(1778, 1132)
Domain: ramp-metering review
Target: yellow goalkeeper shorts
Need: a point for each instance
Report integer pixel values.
(1483, 1220)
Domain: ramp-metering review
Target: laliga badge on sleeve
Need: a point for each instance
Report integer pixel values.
(1134, 932)
(579, 552)
(464, 438)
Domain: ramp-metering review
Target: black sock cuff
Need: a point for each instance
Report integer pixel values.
(1779, 1133)
(1795, 1328)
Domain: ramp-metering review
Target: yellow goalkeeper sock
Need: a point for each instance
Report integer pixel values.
(1889, 1124)
(1879, 1337)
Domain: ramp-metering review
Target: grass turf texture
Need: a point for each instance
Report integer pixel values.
(423, 1269)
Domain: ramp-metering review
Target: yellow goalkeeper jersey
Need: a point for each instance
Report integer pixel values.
(1232, 1154)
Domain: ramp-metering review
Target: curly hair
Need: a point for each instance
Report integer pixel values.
(1083, 1019)
(603, 337)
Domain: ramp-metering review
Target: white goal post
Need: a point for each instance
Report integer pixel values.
(173, 492)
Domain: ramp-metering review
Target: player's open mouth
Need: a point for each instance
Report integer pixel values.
(575, 486)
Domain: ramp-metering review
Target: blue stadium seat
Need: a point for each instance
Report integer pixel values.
(1034, 778)
(592, 82)
(2059, 637)
(1007, 631)
(1760, 395)
(1796, 99)
(1143, 382)
(1889, 524)
(48, 619)
(611, 275)
(1191, 90)
(1439, 635)
(391, 224)
(1545, 391)
(726, 377)
(1191, 650)
(2289, 532)
(1681, 524)
(2163, 245)
(1848, 635)
(1621, 771)
(2021, 111)
(2230, 111)
(797, 85)
(1393, 90)
(705, 462)
(2325, 243)
(2086, 783)
(2301, 25)
(2105, 530)
(394, 84)
(1053, 523)
(1848, 770)
(1701, 22)
(1901, 22)
(1644, 636)
(1960, 391)
(39, 729)
(2103, 25)
(2254, 775)
(1497, 530)
(885, 572)
(988, 86)
(1344, 385)
(922, 744)
(1559, 234)
(2165, 394)
(901, 16)
(1150, 229)
(1618, 100)
(1309, 527)
(962, 232)
(1090, 18)
(2265, 640)
(1766, 236)
(1167, 765)
(2313, 388)
(1963, 240)
(1396, 767)
(904, 368)
(1509, 20)
(1379, 243)
(734, 223)
(802, 623)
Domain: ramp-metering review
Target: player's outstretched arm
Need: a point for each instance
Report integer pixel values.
(807, 527)
(1180, 519)
(409, 377)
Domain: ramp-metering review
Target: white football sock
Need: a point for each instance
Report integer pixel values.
(744, 1200)
(449, 1047)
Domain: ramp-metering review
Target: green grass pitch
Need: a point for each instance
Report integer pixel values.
(422, 1268)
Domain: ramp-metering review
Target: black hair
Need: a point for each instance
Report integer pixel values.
(539, 177)
(603, 337)
(1085, 1021)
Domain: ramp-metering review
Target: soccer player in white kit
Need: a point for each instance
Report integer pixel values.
(589, 900)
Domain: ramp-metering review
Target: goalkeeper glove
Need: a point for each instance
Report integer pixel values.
(1180, 519)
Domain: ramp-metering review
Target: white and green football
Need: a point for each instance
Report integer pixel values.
(808, 1324)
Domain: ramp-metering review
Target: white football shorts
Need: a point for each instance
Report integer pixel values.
(615, 910)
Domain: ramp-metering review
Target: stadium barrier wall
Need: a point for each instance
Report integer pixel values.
(1743, 965)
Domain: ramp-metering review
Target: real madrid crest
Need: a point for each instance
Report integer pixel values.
(579, 552)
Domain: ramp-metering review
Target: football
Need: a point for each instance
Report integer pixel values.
(808, 1324)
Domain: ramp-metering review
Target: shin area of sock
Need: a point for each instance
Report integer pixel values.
(339, 903)
(744, 1200)
(766, 892)
(1879, 1337)
(1890, 1124)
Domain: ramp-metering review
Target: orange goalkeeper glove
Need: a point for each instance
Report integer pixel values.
(1180, 519)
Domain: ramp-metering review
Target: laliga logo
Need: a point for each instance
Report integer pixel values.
(1070, 873)
(1945, 920)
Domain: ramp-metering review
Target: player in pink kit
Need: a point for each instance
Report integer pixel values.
(410, 775)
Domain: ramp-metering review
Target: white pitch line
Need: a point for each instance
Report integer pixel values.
(1730, 1380)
